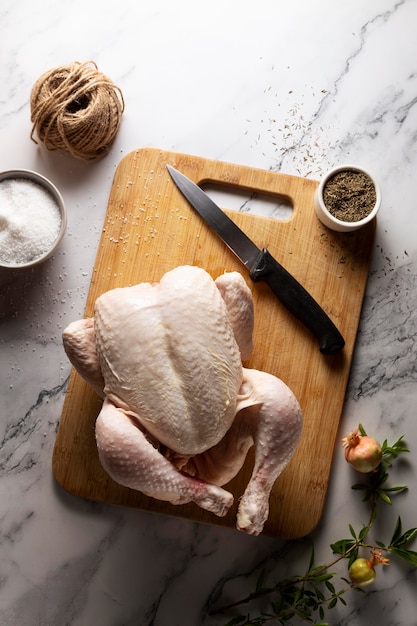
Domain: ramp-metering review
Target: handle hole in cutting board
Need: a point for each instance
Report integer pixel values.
(246, 201)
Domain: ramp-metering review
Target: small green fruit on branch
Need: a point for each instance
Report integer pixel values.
(362, 452)
(362, 571)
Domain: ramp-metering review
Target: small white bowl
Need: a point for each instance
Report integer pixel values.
(330, 220)
(49, 187)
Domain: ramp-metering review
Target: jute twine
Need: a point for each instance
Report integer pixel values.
(77, 109)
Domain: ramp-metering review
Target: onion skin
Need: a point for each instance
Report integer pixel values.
(362, 452)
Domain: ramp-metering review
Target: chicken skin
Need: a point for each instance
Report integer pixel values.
(180, 411)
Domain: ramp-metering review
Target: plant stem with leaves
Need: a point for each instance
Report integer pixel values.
(309, 596)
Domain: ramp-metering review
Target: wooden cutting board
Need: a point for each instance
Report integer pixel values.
(149, 228)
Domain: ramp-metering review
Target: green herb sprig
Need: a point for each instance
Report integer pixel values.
(309, 596)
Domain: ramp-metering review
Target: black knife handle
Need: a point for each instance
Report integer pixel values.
(298, 301)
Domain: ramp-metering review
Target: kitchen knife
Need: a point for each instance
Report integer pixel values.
(262, 266)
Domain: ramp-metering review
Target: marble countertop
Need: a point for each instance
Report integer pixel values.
(294, 87)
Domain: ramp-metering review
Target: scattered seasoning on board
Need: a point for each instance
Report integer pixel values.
(30, 221)
(349, 195)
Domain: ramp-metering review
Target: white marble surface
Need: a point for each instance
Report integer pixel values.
(296, 87)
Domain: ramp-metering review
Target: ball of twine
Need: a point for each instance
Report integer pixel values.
(77, 109)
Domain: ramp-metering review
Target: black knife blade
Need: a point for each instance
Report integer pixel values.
(263, 266)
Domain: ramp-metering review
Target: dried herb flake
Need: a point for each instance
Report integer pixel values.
(349, 195)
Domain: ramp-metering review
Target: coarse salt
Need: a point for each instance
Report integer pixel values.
(30, 221)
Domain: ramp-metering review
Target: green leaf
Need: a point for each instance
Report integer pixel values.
(321, 578)
(397, 531)
(304, 613)
(395, 449)
(398, 488)
(332, 603)
(398, 445)
(408, 536)
(359, 486)
(407, 555)
(363, 533)
(298, 594)
(311, 563)
(353, 556)
(352, 531)
(330, 586)
(384, 496)
(342, 546)
(338, 547)
(399, 538)
(382, 477)
(318, 593)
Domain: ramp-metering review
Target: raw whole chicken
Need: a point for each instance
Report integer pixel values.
(180, 412)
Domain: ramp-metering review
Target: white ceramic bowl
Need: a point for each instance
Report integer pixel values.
(330, 220)
(49, 187)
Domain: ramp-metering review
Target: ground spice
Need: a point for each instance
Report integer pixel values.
(30, 221)
(349, 195)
